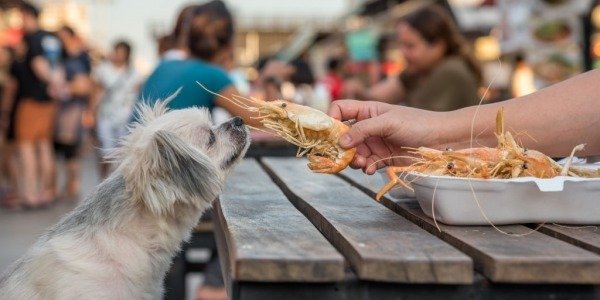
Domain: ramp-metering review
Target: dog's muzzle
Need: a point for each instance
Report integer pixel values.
(240, 137)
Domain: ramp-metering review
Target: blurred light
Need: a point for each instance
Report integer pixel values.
(466, 3)
(523, 80)
(251, 73)
(596, 16)
(49, 17)
(13, 18)
(487, 48)
(288, 90)
(596, 49)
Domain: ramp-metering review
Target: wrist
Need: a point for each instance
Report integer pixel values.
(452, 129)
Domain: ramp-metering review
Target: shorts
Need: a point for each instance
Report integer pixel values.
(34, 120)
(67, 151)
(109, 134)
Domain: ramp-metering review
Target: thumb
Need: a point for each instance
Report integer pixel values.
(361, 131)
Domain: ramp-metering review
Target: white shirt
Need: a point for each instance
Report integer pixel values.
(120, 92)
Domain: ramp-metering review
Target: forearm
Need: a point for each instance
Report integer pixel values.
(96, 98)
(552, 120)
(388, 91)
(41, 69)
(236, 108)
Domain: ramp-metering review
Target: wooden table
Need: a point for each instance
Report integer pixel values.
(284, 232)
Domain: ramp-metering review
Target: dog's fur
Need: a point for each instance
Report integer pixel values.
(119, 242)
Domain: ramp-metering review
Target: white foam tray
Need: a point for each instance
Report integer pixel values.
(565, 200)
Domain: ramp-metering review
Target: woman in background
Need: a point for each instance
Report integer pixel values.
(441, 74)
(209, 43)
(174, 45)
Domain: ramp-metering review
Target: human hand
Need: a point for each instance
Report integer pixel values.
(381, 131)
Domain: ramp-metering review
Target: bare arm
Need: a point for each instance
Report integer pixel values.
(558, 118)
(96, 98)
(234, 109)
(389, 90)
(8, 97)
(41, 68)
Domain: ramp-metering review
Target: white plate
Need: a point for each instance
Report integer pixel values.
(462, 201)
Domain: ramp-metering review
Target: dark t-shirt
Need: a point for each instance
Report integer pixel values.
(19, 71)
(171, 75)
(451, 85)
(40, 43)
(77, 64)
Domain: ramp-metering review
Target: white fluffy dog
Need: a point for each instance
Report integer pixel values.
(119, 242)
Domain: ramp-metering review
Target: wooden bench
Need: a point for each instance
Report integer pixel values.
(285, 232)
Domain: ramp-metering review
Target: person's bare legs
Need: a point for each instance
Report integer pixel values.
(9, 170)
(12, 172)
(47, 171)
(73, 178)
(30, 172)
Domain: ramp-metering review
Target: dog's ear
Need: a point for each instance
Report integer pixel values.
(170, 170)
(145, 112)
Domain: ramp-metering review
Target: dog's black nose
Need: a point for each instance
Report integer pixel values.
(237, 121)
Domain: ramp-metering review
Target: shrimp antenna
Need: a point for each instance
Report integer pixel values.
(234, 101)
(479, 105)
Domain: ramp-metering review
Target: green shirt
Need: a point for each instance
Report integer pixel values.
(451, 85)
(170, 75)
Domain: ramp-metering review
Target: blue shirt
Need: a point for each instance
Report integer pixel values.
(170, 75)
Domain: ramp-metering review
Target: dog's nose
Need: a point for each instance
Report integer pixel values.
(237, 121)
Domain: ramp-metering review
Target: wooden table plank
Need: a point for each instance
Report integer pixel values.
(586, 237)
(379, 244)
(535, 258)
(266, 237)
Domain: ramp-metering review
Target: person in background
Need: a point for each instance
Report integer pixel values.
(68, 132)
(174, 45)
(41, 85)
(272, 73)
(116, 87)
(8, 92)
(334, 79)
(441, 74)
(209, 42)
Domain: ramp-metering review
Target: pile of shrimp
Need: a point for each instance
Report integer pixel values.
(507, 160)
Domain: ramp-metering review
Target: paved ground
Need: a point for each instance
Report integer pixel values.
(18, 230)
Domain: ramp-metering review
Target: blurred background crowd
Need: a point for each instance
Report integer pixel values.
(71, 71)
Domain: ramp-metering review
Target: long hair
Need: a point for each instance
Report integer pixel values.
(434, 24)
(211, 30)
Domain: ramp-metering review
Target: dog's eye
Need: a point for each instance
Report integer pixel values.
(212, 138)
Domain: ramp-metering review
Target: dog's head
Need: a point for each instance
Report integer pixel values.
(178, 157)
